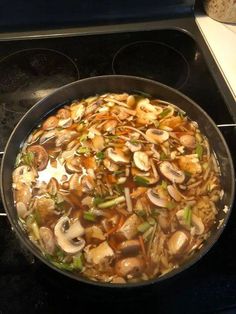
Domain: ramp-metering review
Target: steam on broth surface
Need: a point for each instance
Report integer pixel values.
(117, 187)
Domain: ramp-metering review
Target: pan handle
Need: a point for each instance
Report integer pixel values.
(226, 125)
(2, 214)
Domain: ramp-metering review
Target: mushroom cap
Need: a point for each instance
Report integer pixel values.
(117, 155)
(141, 161)
(48, 240)
(174, 193)
(171, 172)
(156, 199)
(40, 156)
(65, 238)
(157, 136)
(50, 123)
(130, 266)
(178, 242)
(188, 141)
(129, 247)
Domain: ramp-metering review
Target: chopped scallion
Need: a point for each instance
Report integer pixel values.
(89, 216)
(83, 137)
(141, 181)
(83, 150)
(97, 200)
(164, 184)
(119, 172)
(63, 266)
(163, 156)
(100, 155)
(188, 215)
(170, 205)
(199, 151)
(28, 158)
(78, 262)
(165, 112)
(143, 227)
(151, 221)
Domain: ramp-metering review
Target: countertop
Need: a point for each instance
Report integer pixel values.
(221, 40)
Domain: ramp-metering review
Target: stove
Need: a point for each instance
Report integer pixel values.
(173, 52)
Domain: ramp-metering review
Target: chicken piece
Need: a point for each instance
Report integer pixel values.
(129, 228)
(94, 232)
(45, 207)
(100, 254)
(190, 163)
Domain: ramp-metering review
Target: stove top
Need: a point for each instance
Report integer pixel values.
(31, 69)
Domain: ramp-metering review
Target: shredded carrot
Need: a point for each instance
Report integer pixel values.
(139, 191)
(112, 244)
(111, 178)
(102, 116)
(118, 226)
(122, 132)
(73, 126)
(121, 222)
(112, 230)
(143, 248)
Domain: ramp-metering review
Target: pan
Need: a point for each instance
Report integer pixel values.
(118, 84)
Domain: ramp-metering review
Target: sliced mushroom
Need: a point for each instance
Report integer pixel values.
(188, 141)
(77, 111)
(63, 113)
(157, 136)
(171, 172)
(65, 136)
(73, 165)
(65, 123)
(141, 161)
(100, 254)
(74, 182)
(52, 186)
(69, 239)
(117, 155)
(129, 267)
(98, 143)
(111, 166)
(155, 198)
(178, 242)
(47, 136)
(133, 147)
(40, 156)
(48, 240)
(87, 183)
(22, 210)
(50, 123)
(174, 193)
(129, 247)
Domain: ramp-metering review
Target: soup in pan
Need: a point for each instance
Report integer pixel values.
(117, 187)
